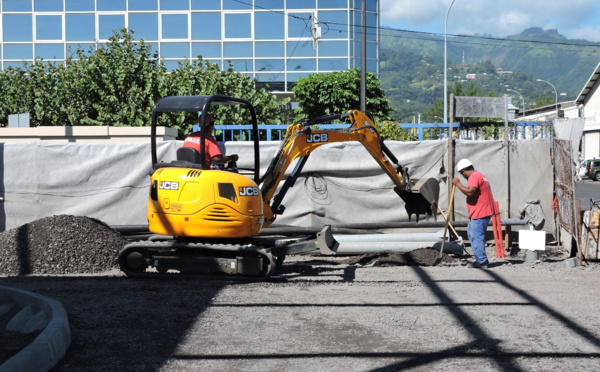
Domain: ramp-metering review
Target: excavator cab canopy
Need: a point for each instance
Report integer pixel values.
(201, 104)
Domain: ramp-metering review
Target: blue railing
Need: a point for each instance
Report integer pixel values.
(275, 132)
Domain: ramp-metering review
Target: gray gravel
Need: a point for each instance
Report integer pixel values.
(60, 244)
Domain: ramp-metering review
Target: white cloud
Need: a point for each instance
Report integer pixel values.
(586, 33)
(414, 12)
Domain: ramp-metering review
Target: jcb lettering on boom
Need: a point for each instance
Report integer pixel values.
(168, 185)
(317, 137)
(249, 191)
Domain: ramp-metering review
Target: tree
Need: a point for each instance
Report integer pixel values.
(337, 92)
(200, 77)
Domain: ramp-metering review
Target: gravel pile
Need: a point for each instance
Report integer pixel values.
(60, 244)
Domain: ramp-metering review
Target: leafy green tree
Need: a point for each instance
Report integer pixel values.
(200, 77)
(337, 92)
(391, 130)
(544, 101)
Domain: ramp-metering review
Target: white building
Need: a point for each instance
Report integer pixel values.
(589, 102)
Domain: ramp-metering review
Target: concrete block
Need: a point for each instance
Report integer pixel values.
(572, 262)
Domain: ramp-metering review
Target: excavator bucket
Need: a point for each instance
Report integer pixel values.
(428, 187)
(420, 196)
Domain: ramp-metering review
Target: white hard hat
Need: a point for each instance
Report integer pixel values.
(462, 164)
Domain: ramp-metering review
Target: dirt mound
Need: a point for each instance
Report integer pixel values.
(60, 244)
(418, 257)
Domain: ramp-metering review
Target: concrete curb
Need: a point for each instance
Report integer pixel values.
(51, 344)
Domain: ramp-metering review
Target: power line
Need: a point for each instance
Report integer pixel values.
(372, 30)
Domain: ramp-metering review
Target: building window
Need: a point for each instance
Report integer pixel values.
(175, 50)
(145, 25)
(48, 27)
(175, 26)
(241, 65)
(109, 24)
(175, 4)
(333, 4)
(17, 27)
(300, 49)
(269, 49)
(143, 5)
(296, 64)
(269, 25)
(111, 5)
(334, 24)
(268, 4)
(16, 6)
(206, 50)
(18, 51)
(47, 5)
(237, 50)
(301, 4)
(79, 5)
(333, 48)
(206, 26)
(80, 27)
(50, 51)
(236, 4)
(238, 26)
(206, 5)
(299, 25)
(333, 64)
(270, 64)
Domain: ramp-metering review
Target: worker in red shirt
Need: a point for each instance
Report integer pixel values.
(480, 205)
(212, 153)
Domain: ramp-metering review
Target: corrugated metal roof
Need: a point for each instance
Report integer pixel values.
(589, 85)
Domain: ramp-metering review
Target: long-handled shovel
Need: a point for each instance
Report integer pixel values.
(450, 205)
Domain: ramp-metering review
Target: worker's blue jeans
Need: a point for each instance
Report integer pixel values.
(476, 233)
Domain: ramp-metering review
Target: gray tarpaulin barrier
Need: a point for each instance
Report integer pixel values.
(340, 183)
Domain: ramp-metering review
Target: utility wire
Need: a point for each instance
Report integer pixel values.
(472, 37)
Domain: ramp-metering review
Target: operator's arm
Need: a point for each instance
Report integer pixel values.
(220, 158)
(467, 190)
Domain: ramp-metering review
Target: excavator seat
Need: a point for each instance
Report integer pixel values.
(189, 154)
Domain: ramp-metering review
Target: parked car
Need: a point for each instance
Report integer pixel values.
(583, 168)
(593, 169)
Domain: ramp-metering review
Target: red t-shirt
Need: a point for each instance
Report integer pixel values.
(481, 203)
(210, 146)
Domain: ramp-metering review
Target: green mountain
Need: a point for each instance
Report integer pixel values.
(411, 68)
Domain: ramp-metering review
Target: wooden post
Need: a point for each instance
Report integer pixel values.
(451, 152)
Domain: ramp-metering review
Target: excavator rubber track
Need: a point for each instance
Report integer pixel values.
(176, 259)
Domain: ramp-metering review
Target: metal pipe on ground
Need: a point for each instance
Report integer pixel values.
(359, 248)
(362, 227)
(409, 237)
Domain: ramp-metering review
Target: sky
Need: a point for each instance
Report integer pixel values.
(575, 19)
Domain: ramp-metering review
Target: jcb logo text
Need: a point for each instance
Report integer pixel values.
(248, 191)
(317, 137)
(168, 185)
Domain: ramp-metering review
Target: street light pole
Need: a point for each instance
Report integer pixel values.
(555, 94)
(522, 100)
(446, 65)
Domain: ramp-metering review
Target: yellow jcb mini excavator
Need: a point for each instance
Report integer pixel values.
(207, 221)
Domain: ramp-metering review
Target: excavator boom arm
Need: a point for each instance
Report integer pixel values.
(301, 139)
